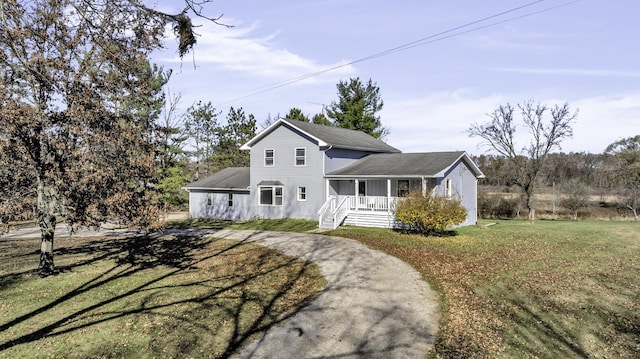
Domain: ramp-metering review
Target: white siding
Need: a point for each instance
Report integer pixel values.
(464, 186)
(215, 204)
(336, 158)
(284, 140)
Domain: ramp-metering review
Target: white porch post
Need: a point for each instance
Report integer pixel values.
(326, 188)
(356, 194)
(389, 202)
(389, 195)
(424, 187)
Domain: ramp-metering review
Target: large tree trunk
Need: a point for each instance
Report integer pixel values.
(531, 207)
(532, 214)
(47, 222)
(47, 228)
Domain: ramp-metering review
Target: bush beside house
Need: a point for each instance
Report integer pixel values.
(430, 214)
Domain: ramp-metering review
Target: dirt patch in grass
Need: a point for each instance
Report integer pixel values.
(521, 289)
(146, 296)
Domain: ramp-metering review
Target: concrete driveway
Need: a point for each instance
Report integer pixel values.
(374, 305)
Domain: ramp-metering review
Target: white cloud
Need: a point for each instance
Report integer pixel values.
(603, 120)
(238, 49)
(439, 121)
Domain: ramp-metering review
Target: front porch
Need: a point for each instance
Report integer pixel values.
(367, 201)
(370, 211)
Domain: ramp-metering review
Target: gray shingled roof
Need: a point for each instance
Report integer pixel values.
(236, 178)
(336, 137)
(429, 164)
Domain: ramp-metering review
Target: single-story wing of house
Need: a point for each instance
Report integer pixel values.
(330, 174)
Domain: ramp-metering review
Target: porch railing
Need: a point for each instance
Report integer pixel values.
(327, 209)
(372, 203)
(340, 213)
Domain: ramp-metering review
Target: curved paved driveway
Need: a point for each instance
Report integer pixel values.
(374, 305)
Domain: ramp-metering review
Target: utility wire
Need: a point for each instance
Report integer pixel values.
(422, 41)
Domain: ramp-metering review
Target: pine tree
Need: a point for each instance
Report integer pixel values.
(357, 107)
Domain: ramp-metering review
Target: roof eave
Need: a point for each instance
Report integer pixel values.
(256, 138)
(215, 188)
(381, 176)
(366, 149)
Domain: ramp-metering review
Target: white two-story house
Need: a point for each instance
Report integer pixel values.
(330, 174)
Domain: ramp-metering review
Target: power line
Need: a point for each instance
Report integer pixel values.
(452, 32)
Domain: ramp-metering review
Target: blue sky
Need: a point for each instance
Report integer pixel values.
(585, 53)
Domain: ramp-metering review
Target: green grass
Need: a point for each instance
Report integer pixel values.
(146, 297)
(283, 224)
(517, 289)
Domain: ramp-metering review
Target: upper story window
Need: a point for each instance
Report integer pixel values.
(301, 157)
(447, 188)
(269, 158)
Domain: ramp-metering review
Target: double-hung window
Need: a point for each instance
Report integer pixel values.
(302, 193)
(447, 188)
(230, 199)
(269, 158)
(301, 156)
(271, 196)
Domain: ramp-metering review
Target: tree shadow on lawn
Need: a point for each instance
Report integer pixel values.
(597, 320)
(171, 260)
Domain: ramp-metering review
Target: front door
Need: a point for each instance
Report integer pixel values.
(362, 188)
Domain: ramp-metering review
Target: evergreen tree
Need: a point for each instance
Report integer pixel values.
(321, 119)
(296, 114)
(357, 107)
(172, 157)
(239, 129)
(201, 125)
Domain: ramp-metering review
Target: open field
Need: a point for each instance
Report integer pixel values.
(517, 289)
(601, 204)
(156, 296)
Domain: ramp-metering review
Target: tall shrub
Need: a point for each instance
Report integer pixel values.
(430, 214)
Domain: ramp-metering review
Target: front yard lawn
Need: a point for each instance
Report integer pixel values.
(146, 297)
(520, 289)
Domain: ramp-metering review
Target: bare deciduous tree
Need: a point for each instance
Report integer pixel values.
(547, 128)
(575, 196)
(623, 166)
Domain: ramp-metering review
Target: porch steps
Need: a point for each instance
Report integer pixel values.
(371, 219)
(327, 223)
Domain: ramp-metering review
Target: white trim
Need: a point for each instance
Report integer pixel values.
(215, 189)
(247, 146)
(273, 158)
(380, 176)
(273, 196)
(298, 193)
(295, 157)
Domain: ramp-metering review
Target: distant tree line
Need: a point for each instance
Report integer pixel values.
(574, 177)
